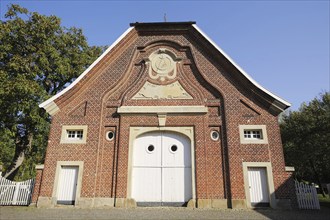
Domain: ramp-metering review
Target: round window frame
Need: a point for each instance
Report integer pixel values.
(215, 132)
(107, 135)
(170, 149)
(153, 150)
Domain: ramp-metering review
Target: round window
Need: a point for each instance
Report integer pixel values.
(174, 148)
(110, 135)
(151, 148)
(215, 135)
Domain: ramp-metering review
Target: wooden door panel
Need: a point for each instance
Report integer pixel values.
(67, 185)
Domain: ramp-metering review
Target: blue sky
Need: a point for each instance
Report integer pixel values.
(283, 45)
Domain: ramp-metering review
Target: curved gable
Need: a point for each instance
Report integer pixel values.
(279, 103)
(50, 106)
(276, 104)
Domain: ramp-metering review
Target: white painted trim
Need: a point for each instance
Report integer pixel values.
(49, 101)
(240, 69)
(162, 109)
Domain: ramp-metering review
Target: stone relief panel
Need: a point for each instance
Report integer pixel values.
(163, 65)
(170, 91)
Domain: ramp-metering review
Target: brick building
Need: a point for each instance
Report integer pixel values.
(164, 117)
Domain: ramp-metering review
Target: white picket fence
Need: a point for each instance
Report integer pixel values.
(307, 196)
(15, 193)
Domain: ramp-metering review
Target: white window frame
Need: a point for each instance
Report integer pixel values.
(217, 133)
(253, 134)
(75, 134)
(65, 139)
(253, 140)
(107, 135)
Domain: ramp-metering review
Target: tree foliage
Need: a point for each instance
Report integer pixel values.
(38, 58)
(306, 140)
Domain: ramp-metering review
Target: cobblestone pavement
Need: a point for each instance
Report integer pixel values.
(70, 213)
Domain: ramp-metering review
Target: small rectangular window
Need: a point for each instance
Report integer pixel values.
(74, 134)
(79, 134)
(253, 134)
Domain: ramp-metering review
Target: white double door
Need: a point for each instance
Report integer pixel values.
(161, 173)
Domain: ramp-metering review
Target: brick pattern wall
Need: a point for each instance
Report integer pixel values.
(37, 184)
(206, 77)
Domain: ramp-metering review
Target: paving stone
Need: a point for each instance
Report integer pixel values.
(71, 213)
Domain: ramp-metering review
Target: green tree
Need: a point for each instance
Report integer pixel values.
(306, 140)
(38, 58)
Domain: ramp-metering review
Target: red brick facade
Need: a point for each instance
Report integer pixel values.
(204, 73)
